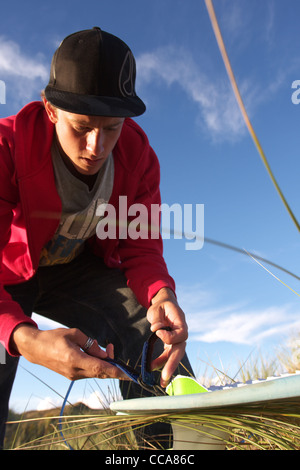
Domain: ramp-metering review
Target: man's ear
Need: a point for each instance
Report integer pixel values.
(51, 111)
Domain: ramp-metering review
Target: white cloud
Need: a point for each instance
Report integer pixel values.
(23, 75)
(15, 63)
(95, 401)
(241, 326)
(214, 98)
(48, 403)
(211, 321)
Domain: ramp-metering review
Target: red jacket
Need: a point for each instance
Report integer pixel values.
(30, 209)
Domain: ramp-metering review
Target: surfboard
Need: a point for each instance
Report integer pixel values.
(264, 391)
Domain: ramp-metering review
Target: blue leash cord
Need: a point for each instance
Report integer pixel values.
(61, 414)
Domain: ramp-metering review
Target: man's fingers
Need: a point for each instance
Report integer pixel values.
(90, 358)
(97, 367)
(169, 360)
(92, 348)
(171, 365)
(172, 336)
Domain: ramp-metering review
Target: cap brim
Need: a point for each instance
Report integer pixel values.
(95, 105)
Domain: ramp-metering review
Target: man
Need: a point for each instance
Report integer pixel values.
(63, 161)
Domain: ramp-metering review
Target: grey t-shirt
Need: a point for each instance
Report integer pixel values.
(79, 216)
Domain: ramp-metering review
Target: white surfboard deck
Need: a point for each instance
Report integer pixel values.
(284, 387)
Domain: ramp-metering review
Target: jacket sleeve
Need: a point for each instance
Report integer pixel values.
(11, 313)
(142, 258)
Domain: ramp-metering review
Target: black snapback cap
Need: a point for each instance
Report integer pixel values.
(93, 73)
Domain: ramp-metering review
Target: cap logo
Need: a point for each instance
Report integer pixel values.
(126, 78)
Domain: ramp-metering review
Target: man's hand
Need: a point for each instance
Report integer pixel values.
(165, 312)
(61, 351)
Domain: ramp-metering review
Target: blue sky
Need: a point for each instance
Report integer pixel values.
(233, 306)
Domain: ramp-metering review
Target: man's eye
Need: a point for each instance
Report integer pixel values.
(81, 129)
(112, 128)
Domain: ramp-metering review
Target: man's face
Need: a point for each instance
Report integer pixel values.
(86, 140)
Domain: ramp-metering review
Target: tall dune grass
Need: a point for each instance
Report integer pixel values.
(271, 426)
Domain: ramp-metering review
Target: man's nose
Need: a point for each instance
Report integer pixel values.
(95, 143)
